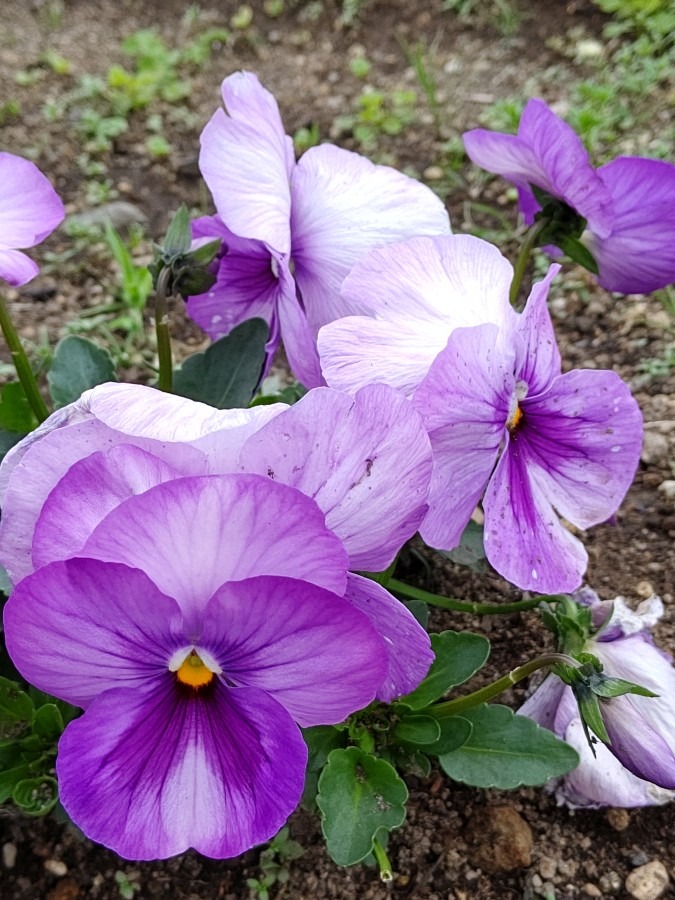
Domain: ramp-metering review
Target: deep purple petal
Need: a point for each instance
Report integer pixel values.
(192, 535)
(583, 437)
(408, 645)
(16, 268)
(365, 460)
(540, 362)
(510, 157)
(524, 539)
(151, 773)
(464, 402)
(30, 208)
(637, 257)
(311, 650)
(343, 207)
(80, 627)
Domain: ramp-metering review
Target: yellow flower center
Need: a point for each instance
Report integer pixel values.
(515, 419)
(193, 672)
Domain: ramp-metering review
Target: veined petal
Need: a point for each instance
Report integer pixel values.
(244, 161)
(365, 460)
(30, 208)
(151, 773)
(16, 268)
(506, 155)
(645, 751)
(298, 340)
(311, 650)
(540, 360)
(79, 627)
(524, 539)
(637, 257)
(193, 534)
(343, 207)
(464, 402)
(583, 438)
(408, 646)
(543, 705)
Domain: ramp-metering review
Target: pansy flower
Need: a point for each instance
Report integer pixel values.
(292, 231)
(628, 204)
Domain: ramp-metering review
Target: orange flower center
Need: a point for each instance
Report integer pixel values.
(193, 672)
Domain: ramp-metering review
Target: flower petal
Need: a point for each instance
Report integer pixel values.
(524, 539)
(645, 751)
(311, 650)
(30, 208)
(16, 268)
(151, 773)
(464, 402)
(344, 206)
(637, 257)
(540, 360)
(584, 437)
(244, 160)
(543, 705)
(365, 460)
(192, 535)
(298, 340)
(511, 158)
(79, 627)
(408, 645)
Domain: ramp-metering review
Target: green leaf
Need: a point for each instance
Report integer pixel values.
(459, 655)
(15, 704)
(505, 751)
(227, 374)
(16, 415)
(78, 365)
(36, 796)
(48, 723)
(9, 778)
(471, 550)
(8, 439)
(420, 730)
(455, 732)
(358, 795)
(320, 740)
(179, 235)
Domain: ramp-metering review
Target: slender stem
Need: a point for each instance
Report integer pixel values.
(461, 704)
(21, 364)
(465, 606)
(526, 249)
(165, 379)
(382, 861)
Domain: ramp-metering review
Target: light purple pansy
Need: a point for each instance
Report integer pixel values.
(628, 204)
(30, 209)
(638, 768)
(364, 462)
(293, 230)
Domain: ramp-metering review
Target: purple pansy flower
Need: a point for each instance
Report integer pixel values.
(29, 210)
(364, 462)
(293, 230)
(638, 769)
(628, 204)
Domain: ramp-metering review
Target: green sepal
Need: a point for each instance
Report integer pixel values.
(179, 235)
(458, 656)
(578, 252)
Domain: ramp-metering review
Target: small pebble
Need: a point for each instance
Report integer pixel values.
(639, 858)
(644, 589)
(433, 173)
(547, 867)
(619, 819)
(667, 488)
(9, 855)
(56, 867)
(610, 883)
(648, 882)
(590, 890)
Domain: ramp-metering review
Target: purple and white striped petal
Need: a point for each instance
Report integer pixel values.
(540, 360)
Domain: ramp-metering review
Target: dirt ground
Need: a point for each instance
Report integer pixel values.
(303, 55)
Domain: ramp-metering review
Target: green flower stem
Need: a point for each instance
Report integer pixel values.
(526, 249)
(465, 606)
(21, 364)
(461, 704)
(383, 863)
(165, 379)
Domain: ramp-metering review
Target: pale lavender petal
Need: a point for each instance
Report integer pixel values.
(365, 460)
(464, 402)
(151, 773)
(524, 539)
(540, 362)
(244, 161)
(510, 157)
(192, 535)
(638, 257)
(343, 207)
(88, 491)
(408, 645)
(645, 751)
(311, 650)
(583, 441)
(30, 208)
(16, 268)
(80, 627)
(298, 340)
(543, 705)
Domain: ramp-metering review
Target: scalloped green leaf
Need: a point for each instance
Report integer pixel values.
(506, 751)
(459, 655)
(78, 365)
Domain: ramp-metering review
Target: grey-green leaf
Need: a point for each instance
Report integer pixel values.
(455, 731)
(470, 551)
(15, 704)
(459, 655)
(505, 751)
(78, 365)
(226, 375)
(359, 794)
(421, 730)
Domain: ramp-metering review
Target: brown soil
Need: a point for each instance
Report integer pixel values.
(303, 57)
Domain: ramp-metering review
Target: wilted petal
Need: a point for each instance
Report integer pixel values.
(637, 257)
(311, 650)
(408, 646)
(151, 773)
(644, 750)
(343, 207)
(30, 208)
(543, 705)
(464, 402)
(80, 627)
(16, 268)
(365, 460)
